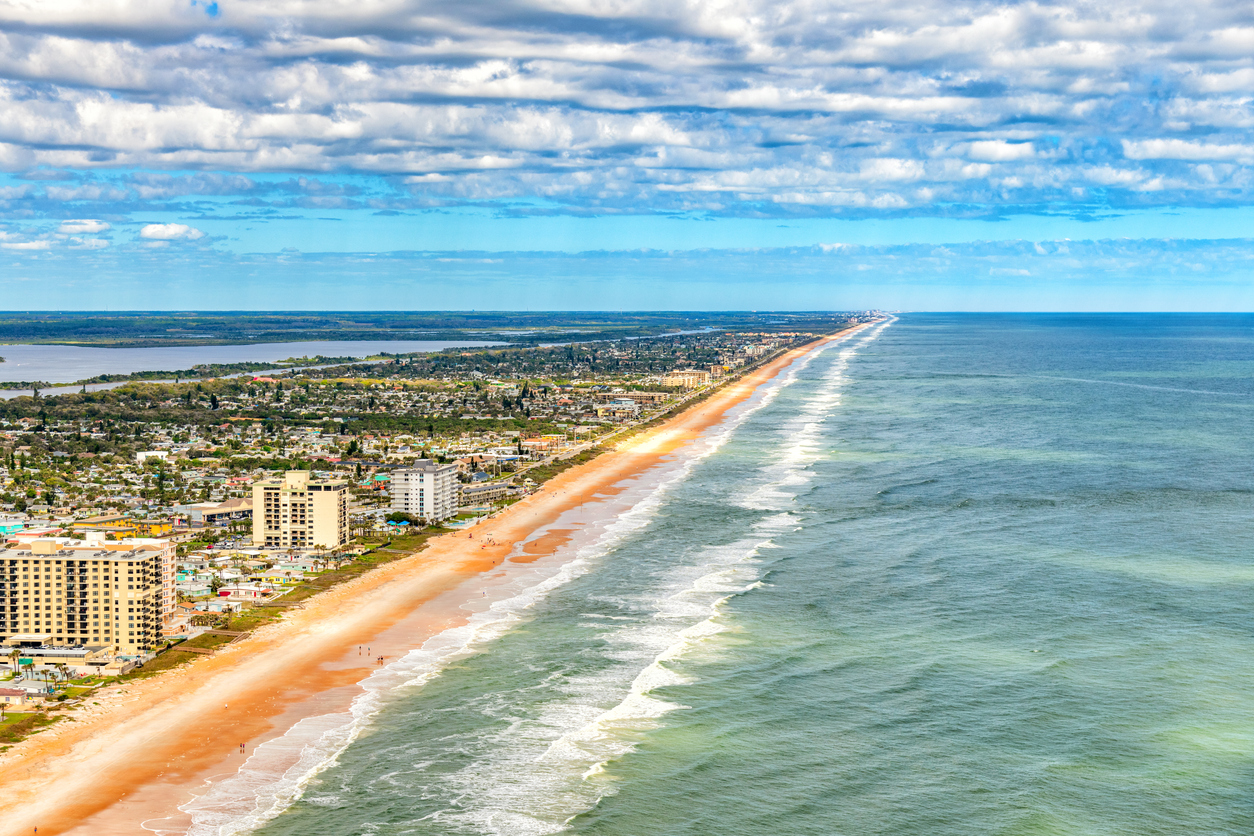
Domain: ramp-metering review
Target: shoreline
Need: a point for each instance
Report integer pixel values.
(146, 747)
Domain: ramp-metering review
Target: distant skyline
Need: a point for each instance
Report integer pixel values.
(587, 154)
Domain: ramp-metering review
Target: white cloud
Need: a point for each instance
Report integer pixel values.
(892, 169)
(1180, 149)
(171, 232)
(26, 245)
(82, 226)
(996, 150)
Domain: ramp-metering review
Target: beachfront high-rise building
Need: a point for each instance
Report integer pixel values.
(687, 378)
(299, 512)
(116, 594)
(425, 489)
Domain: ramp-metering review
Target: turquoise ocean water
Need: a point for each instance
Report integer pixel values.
(956, 575)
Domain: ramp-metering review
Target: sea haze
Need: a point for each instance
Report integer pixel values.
(955, 575)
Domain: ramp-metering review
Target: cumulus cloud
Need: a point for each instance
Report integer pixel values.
(804, 107)
(82, 226)
(1181, 149)
(997, 150)
(170, 232)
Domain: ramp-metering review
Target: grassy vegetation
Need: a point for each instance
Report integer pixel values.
(207, 641)
(163, 662)
(247, 620)
(172, 657)
(18, 726)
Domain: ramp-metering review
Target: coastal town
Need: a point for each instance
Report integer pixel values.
(150, 524)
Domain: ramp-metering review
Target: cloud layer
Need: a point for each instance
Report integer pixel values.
(725, 107)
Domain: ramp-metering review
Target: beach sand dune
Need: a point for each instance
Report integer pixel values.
(140, 750)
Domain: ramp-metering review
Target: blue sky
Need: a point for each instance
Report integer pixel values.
(626, 153)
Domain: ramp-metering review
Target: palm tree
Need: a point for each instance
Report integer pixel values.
(13, 657)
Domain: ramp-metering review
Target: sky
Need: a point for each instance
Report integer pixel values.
(606, 154)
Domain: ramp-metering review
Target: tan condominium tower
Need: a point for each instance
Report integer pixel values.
(63, 591)
(299, 512)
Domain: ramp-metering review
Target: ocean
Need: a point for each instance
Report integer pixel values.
(954, 575)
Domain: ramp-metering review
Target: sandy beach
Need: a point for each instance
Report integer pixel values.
(124, 763)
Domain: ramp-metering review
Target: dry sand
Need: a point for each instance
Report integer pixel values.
(137, 751)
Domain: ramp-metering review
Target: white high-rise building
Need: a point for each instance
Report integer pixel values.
(425, 489)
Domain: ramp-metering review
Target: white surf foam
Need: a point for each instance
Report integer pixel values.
(540, 771)
(801, 434)
(515, 792)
